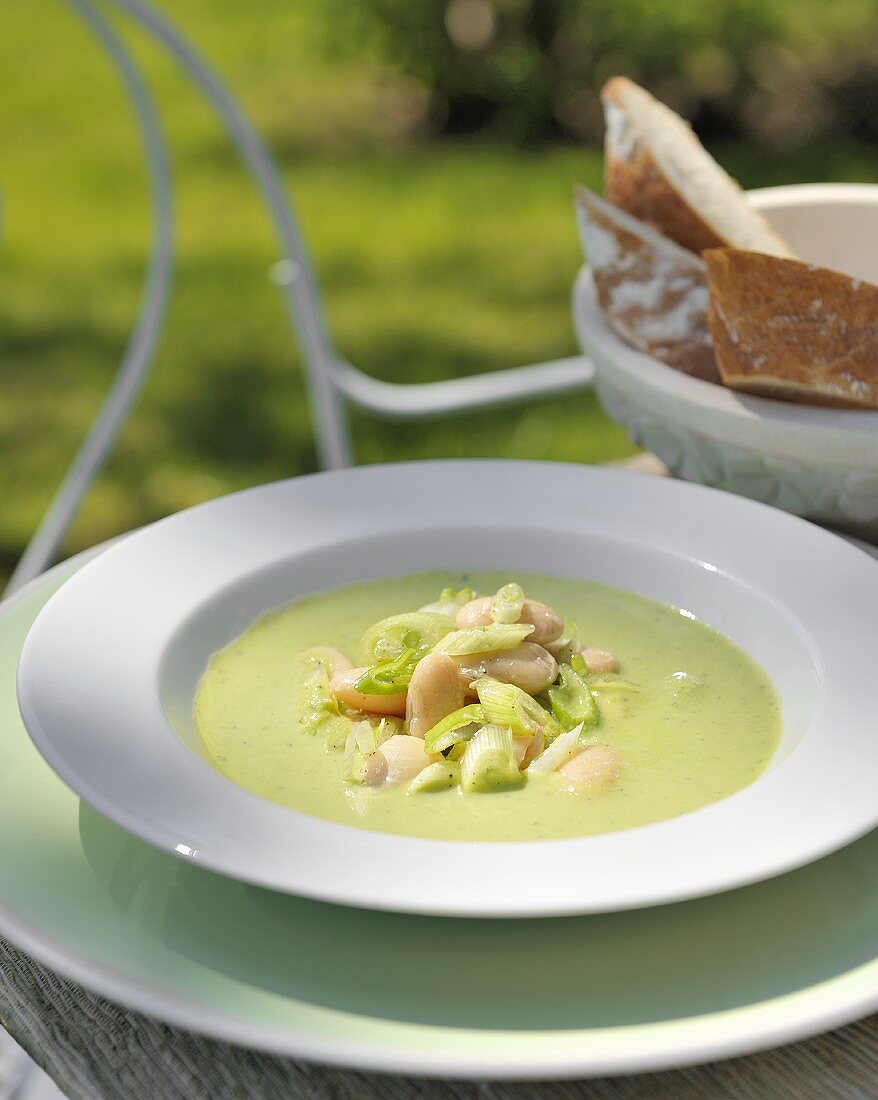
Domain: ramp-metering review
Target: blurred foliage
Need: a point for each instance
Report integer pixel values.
(781, 71)
(435, 262)
(437, 258)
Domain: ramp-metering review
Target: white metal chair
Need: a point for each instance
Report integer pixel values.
(333, 382)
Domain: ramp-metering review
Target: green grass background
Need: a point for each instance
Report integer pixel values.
(436, 260)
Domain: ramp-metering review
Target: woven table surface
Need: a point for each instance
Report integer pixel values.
(96, 1050)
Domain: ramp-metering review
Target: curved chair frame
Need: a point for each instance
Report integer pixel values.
(333, 382)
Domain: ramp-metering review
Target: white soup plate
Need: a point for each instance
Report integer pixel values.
(109, 669)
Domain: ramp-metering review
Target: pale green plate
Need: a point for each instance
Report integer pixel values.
(519, 998)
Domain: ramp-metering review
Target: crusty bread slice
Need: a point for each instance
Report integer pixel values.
(787, 329)
(657, 170)
(652, 291)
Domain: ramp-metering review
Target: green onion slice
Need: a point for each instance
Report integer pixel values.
(483, 639)
(449, 602)
(489, 764)
(509, 706)
(435, 777)
(390, 678)
(320, 711)
(388, 727)
(336, 732)
(358, 748)
(454, 728)
(389, 639)
(558, 753)
(571, 633)
(571, 699)
(508, 604)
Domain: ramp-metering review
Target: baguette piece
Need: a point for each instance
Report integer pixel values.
(657, 170)
(652, 291)
(787, 329)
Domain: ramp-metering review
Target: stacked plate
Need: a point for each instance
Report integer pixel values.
(129, 864)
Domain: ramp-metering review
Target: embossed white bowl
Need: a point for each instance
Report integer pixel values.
(819, 463)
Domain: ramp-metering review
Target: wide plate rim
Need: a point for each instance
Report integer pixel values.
(337, 843)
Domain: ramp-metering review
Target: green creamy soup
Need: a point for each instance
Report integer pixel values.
(686, 740)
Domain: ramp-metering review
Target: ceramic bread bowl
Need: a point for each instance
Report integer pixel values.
(821, 463)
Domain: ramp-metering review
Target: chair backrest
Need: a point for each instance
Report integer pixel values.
(139, 352)
(332, 381)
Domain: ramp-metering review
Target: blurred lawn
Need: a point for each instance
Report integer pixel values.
(436, 260)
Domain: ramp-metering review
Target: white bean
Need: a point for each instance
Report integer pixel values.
(528, 666)
(527, 746)
(397, 760)
(475, 613)
(599, 660)
(343, 687)
(547, 623)
(561, 649)
(434, 692)
(596, 767)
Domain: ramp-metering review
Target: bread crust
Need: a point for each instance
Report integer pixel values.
(791, 330)
(637, 185)
(634, 181)
(653, 292)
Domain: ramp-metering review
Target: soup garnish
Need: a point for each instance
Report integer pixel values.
(479, 693)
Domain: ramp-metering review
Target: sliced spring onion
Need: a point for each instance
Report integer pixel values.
(364, 738)
(336, 731)
(571, 699)
(390, 678)
(436, 777)
(319, 706)
(577, 663)
(388, 727)
(484, 639)
(387, 640)
(453, 728)
(489, 764)
(562, 650)
(509, 706)
(508, 604)
(558, 753)
(450, 601)
(358, 748)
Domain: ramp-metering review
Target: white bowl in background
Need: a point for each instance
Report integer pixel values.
(109, 670)
(815, 462)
